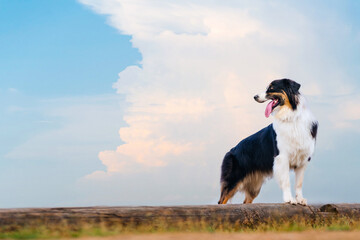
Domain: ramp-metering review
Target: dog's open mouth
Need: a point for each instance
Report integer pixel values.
(271, 105)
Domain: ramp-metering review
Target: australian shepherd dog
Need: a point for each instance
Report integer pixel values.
(288, 143)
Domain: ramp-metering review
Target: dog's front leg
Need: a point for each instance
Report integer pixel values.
(282, 176)
(299, 177)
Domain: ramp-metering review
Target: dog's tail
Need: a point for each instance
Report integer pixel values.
(231, 175)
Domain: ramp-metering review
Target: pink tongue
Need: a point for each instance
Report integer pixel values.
(268, 109)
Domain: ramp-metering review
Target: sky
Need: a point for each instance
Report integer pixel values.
(118, 102)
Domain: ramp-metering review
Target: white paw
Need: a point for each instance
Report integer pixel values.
(290, 200)
(301, 201)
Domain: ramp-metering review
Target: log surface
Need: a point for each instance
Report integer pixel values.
(144, 215)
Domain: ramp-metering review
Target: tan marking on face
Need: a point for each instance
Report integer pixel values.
(286, 100)
(284, 97)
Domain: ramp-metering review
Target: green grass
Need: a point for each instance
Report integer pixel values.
(64, 229)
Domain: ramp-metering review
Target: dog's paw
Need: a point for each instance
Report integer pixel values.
(301, 201)
(291, 201)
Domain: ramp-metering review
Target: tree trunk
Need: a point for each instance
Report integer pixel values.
(244, 214)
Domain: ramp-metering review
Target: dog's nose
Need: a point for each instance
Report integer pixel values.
(256, 97)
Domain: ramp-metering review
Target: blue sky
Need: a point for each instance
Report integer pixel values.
(126, 103)
(54, 44)
(53, 57)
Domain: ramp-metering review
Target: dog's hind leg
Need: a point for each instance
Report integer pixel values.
(251, 195)
(231, 175)
(227, 192)
(252, 186)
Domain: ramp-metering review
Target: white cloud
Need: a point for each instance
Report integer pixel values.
(14, 108)
(191, 100)
(347, 112)
(78, 126)
(12, 90)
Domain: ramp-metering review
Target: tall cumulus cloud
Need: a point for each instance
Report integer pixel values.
(191, 98)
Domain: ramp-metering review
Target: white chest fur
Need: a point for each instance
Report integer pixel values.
(293, 135)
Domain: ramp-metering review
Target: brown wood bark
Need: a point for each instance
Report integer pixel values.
(241, 214)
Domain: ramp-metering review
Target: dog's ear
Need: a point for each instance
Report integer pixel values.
(294, 86)
(292, 90)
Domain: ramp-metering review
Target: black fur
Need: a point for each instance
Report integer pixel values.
(290, 87)
(314, 128)
(255, 153)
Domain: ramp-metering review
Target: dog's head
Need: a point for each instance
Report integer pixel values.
(283, 94)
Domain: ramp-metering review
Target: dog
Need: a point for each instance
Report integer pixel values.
(286, 144)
